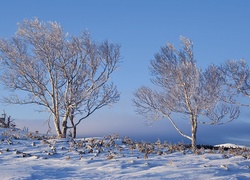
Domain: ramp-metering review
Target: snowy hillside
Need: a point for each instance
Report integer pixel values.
(30, 156)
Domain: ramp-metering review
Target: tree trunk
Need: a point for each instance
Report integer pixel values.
(194, 138)
(194, 131)
(64, 128)
(74, 132)
(64, 125)
(8, 122)
(57, 126)
(71, 118)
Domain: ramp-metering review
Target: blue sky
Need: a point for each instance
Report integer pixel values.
(218, 29)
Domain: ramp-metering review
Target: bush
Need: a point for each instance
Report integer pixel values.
(6, 121)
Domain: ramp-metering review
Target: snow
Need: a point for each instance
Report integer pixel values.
(29, 156)
(230, 145)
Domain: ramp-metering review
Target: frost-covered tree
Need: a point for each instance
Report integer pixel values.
(237, 78)
(87, 75)
(184, 89)
(67, 75)
(6, 121)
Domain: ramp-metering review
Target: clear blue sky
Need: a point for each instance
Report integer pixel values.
(219, 30)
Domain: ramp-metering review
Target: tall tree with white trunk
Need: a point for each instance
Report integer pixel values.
(196, 95)
(67, 75)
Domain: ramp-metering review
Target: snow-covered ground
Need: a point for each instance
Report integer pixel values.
(28, 156)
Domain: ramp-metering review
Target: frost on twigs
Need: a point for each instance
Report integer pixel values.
(185, 90)
(6, 121)
(66, 75)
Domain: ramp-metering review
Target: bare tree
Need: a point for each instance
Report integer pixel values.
(85, 98)
(237, 78)
(6, 121)
(187, 90)
(65, 75)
